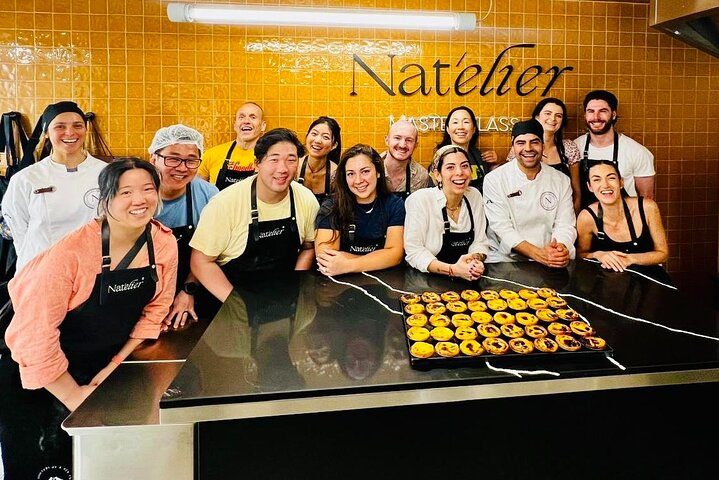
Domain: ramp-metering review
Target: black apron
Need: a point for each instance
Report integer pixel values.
(455, 244)
(271, 245)
(357, 245)
(587, 196)
(407, 181)
(183, 235)
(226, 177)
(561, 166)
(301, 180)
(32, 439)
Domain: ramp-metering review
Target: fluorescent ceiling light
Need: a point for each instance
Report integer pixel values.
(319, 17)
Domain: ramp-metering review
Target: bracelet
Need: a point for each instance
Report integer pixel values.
(117, 359)
(451, 273)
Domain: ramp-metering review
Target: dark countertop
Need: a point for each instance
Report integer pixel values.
(302, 336)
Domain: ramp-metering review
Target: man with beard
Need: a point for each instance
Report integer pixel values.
(529, 205)
(228, 163)
(403, 174)
(635, 162)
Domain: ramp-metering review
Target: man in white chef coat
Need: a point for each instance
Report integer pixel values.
(529, 205)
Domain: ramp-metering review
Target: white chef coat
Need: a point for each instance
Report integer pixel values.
(634, 159)
(519, 209)
(424, 225)
(44, 202)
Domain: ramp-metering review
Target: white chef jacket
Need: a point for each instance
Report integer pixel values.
(424, 225)
(519, 209)
(634, 159)
(44, 202)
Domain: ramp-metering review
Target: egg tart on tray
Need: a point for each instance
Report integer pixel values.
(495, 346)
(512, 330)
(489, 330)
(417, 320)
(430, 297)
(465, 333)
(481, 317)
(414, 308)
(489, 294)
(536, 331)
(442, 334)
(450, 296)
(497, 304)
(503, 318)
(471, 348)
(462, 320)
(409, 298)
(439, 320)
(421, 350)
(526, 318)
(470, 295)
(477, 305)
(581, 328)
(521, 345)
(446, 349)
(546, 345)
(568, 343)
(417, 334)
(557, 328)
(456, 306)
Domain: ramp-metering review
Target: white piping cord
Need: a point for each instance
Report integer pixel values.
(519, 373)
(638, 273)
(385, 284)
(365, 292)
(619, 365)
(637, 319)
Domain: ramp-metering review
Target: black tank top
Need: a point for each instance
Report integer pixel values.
(602, 243)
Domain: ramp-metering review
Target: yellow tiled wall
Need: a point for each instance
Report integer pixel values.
(138, 71)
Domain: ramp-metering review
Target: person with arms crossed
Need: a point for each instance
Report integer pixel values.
(228, 163)
(360, 227)
(529, 205)
(265, 222)
(175, 151)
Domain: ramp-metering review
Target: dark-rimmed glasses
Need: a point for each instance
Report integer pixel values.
(170, 161)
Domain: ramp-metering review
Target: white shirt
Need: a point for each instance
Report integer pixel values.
(44, 202)
(424, 225)
(519, 209)
(635, 160)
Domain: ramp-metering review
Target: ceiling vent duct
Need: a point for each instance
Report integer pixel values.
(695, 22)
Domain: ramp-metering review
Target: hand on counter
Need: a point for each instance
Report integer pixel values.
(182, 310)
(334, 262)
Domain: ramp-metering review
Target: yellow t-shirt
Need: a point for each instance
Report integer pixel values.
(225, 221)
(241, 160)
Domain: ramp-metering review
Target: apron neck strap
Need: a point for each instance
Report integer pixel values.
(446, 218)
(188, 207)
(255, 214)
(144, 238)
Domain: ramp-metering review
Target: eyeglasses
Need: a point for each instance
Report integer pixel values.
(190, 163)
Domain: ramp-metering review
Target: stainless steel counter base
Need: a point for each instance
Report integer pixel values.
(153, 452)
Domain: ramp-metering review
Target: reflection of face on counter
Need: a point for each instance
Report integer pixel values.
(257, 323)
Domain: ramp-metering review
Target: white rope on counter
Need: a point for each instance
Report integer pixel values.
(519, 373)
(619, 365)
(180, 360)
(365, 292)
(629, 317)
(385, 284)
(640, 274)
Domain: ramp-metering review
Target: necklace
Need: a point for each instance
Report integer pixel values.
(309, 165)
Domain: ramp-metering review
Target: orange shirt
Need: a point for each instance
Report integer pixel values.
(61, 279)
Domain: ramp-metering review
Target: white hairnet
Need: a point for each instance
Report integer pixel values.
(175, 134)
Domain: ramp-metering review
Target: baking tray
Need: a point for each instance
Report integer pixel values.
(462, 360)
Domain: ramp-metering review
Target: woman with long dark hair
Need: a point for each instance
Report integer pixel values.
(620, 231)
(81, 308)
(462, 130)
(324, 144)
(360, 227)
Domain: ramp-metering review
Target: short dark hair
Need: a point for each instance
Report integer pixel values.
(109, 180)
(273, 137)
(334, 155)
(605, 95)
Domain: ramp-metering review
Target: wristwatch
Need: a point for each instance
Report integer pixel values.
(190, 288)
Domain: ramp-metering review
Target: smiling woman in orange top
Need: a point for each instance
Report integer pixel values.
(81, 308)
(324, 144)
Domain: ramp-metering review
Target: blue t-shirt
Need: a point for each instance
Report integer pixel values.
(174, 212)
(385, 212)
